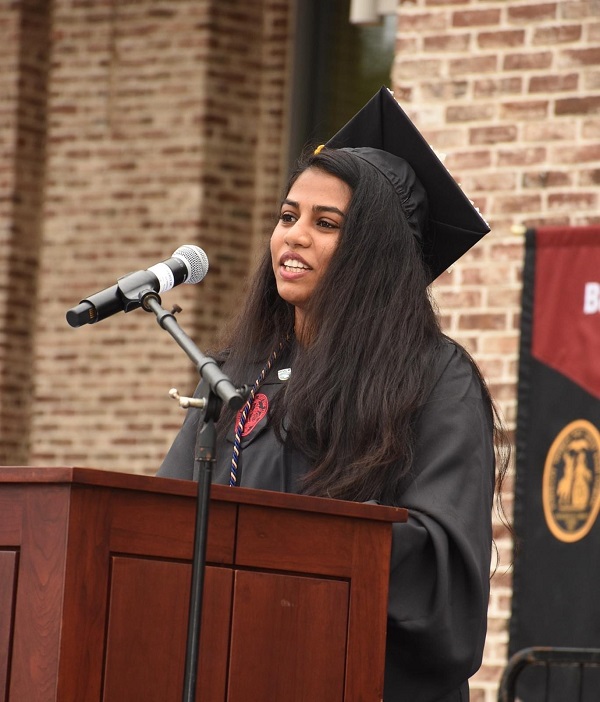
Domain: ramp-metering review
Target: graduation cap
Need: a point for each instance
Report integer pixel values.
(441, 216)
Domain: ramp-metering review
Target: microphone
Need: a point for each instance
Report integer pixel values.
(189, 264)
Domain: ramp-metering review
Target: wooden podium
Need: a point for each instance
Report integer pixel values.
(94, 591)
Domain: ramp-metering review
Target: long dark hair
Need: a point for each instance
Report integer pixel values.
(373, 337)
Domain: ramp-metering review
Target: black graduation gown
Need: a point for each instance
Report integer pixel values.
(440, 562)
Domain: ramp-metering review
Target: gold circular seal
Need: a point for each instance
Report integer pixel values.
(571, 482)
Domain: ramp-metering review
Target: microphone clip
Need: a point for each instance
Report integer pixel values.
(134, 288)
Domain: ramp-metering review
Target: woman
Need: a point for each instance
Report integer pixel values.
(359, 396)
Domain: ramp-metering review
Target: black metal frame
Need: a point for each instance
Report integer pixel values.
(544, 656)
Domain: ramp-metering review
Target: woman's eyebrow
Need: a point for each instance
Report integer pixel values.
(316, 208)
(327, 208)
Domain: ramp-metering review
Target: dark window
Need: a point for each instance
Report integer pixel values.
(338, 66)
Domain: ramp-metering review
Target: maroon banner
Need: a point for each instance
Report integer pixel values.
(566, 314)
(557, 492)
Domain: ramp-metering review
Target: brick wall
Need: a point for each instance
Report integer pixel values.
(22, 142)
(510, 92)
(9, 59)
(159, 118)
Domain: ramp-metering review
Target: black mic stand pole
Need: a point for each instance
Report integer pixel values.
(221, 389)
(204, 457)
(207, 367)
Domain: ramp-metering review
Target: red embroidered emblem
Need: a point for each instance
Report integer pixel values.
(258, 411)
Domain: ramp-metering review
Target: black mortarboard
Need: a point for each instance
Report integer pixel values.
(453, 225)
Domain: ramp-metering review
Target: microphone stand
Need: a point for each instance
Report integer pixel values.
(220, 389)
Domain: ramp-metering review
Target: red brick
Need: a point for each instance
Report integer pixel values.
(464, 160)
(469, 113)
(407, 69)
(573, 201)
(554, 83)
(580, 154)
(554, 220)
(406, 45)
(476, 65)
(424, 22)
(546, 179)
(504, 345)
(532, 12)
(527, 61)
(578, 106)
(507, 251)
(579, 10)
(442, 139)
(493, 135)
(579, 57)
(501, 39)
(447, 42)
(524, 110)
(456, 299)
(484, 321)
(476, 18)
(488, 182)
(518, 204)
(560, 34)
(549, 131)
(445, 90)
(521, 156)
(486, 275)
(497, 86)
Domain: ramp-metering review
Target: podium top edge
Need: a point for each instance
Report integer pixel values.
(94, 477)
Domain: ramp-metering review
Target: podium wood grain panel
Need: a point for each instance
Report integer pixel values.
(85, 591)
(11, 514)
(39, 598)
(162, 525)
(11, 519)
(8, 572)
(289, 638)
(148, 611)
(368, 607)
(295, 541)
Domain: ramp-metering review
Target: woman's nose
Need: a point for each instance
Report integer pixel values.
(298, 235)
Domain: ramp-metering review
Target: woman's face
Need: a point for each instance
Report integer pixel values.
(307, 234)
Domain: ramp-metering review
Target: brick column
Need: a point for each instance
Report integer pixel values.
(158, 114)
(24, 56)
(510, 93)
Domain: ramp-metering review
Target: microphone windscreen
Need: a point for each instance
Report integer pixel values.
(196, 261)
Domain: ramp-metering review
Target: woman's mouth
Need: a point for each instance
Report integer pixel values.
(293, 265)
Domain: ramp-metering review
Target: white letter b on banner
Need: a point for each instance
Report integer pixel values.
(591, 298)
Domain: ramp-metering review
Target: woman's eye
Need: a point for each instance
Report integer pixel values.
(326, 224)
(287, 217)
